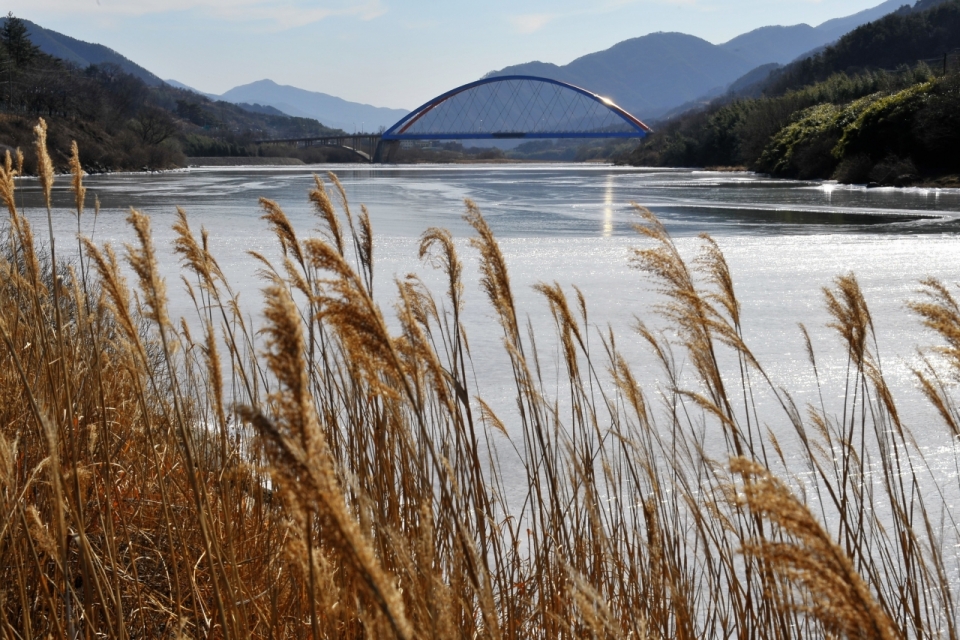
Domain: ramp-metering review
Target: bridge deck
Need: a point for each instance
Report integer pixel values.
(325, 140)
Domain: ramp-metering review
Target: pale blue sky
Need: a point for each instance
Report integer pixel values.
(391, 53)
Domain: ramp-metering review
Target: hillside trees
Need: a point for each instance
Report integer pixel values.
(829, 116)
(153, 125)
(16, 42)
(118, 120)
(897, 39)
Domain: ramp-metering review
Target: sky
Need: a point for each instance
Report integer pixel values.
(390, 53)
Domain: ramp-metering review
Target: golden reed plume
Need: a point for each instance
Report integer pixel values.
(334, 470)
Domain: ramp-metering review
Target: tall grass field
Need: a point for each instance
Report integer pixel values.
(333, 472)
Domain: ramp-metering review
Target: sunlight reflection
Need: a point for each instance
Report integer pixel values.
(608, 208)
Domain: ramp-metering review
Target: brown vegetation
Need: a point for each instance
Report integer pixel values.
(334, 479)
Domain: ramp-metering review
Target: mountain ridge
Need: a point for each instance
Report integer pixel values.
(656, 77)
(333, 111)
(867, 109)
(651, 75)
(337, 111)
(674, 69)
(697, 66)
(83, 54)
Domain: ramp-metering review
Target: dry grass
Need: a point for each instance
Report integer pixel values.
(329, 478)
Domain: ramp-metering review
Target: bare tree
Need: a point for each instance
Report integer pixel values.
(153, 125)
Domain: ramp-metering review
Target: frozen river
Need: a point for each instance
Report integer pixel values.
(573, 224)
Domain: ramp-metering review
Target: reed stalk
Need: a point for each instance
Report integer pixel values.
(324, 475)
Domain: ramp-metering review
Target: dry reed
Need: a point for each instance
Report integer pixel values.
(329, 478)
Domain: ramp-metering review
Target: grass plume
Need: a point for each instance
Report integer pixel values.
(330, 473)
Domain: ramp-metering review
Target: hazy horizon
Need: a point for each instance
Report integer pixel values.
(390, 53)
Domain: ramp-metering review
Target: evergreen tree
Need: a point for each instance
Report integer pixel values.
(16, 41)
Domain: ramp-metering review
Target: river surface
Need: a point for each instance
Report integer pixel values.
(572, 224)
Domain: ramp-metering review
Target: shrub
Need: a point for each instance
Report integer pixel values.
(894, 171)
(886, 126)
(854, 170)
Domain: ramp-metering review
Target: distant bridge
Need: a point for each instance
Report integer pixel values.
(361, 144)
(497, 108)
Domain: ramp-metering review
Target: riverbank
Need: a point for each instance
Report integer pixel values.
(245, 161)
(945, 182)
(254, 161)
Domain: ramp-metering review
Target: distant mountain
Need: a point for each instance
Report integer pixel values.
(330, 110)
(83, 54)
(785, 44)
(923, 5)
(648, 75)
(653, 75)
(751, 85)
(180, 85)
(264, 97)
(775, 44)
(838, 27)
(882, 39)
(246, 106)
(867, 108)
(261, 108)
(925, 31)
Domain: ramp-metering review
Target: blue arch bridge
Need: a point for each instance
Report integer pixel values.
(497, 108)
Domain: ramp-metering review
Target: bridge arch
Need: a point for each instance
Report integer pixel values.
(514, 107)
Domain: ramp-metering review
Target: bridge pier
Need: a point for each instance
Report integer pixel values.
(386, 149)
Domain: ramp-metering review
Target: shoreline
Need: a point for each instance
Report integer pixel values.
(951, 182)
(242, 161)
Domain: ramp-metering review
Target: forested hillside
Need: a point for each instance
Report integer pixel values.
(882, 105)
(118, 120)
(83, 54)
(900, 38)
